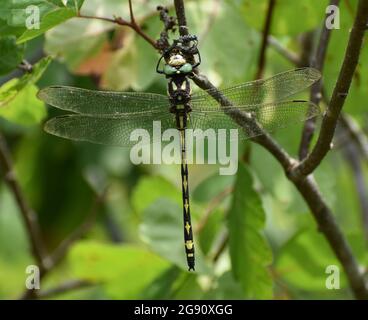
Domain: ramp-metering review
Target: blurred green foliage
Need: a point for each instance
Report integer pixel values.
(134, 250)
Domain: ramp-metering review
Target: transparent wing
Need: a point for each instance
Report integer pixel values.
(250, 119)
(274, 89)
(90, 102)
(115, 130)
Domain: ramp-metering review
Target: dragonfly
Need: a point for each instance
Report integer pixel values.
(253, 108)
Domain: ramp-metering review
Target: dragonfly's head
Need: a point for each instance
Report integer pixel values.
(177, 64)
(180, 58)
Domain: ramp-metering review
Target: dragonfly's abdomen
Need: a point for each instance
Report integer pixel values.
(181, 120)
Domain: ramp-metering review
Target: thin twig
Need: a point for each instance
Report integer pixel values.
(214, 203)
(306, 42)
(266, 32)
(224, 240)
(351, 153)
(67, 286)
(132, 19)
(120, 21)
(356, 134)
(339, 95)
(28, 215)
(289, 55)
(316, 94)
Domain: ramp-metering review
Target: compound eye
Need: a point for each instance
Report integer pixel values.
(186, 68)
(169, 70)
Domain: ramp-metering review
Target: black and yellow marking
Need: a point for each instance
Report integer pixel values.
(181, 120)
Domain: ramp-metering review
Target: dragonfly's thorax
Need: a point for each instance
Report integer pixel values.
(179, 92)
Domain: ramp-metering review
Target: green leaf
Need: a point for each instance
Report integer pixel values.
(284, 16)
(49, 21)
(209, 232)
(355, 102)
(149, 189)
(137, 58)
(187, 287)
(11, 54)
(123, 270)
(226, 289)
(162, 286)
(249, 250)
(15, 13)
(174, 283)
(75, 41)
(6, 30)
(19, 17)
(162, 230)
(12, 88)
(212, 187)
(123, 63)
(78, 40)
(227, 58)
(14, 245)
(25, 108)
(303, 260)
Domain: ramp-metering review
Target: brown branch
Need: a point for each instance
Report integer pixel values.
(132, 19)
(340, 93)
(180, 14)
(306, 42)
(64, 287)
(28, 215)
(122, 22)
(316, 94)
(266, 32)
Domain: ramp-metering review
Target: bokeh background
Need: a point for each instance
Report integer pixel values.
(128, 218)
